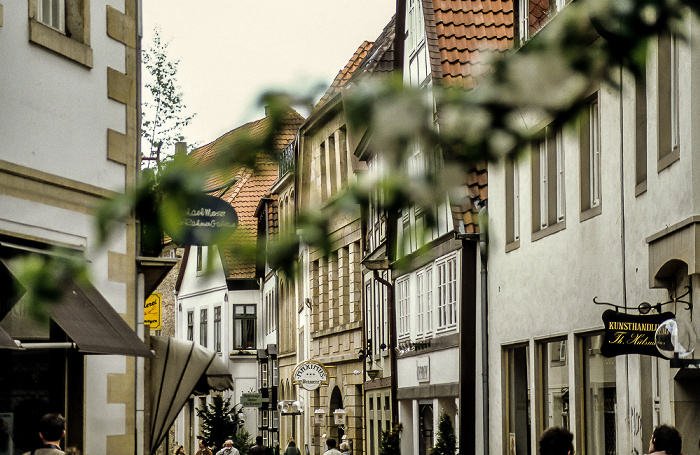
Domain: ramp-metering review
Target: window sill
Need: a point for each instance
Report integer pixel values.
(512, 246)
(668, 159)
(590, 213)
(549, 230)
(640, 189)
(55, 41)
(242, 353)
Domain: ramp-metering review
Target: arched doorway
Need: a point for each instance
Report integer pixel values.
(426, 429)
(336, 432)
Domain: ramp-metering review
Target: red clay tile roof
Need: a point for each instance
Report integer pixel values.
(344, 75)
(252, 186)
(461, 32)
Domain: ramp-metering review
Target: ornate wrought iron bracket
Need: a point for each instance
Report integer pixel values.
(645, 307)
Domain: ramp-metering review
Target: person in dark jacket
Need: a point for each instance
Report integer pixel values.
(556, 441)
(665, 440)
(259, 448)
(292, 448)
(52, 428)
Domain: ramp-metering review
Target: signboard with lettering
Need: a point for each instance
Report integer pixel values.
(206, 222)
(310, 375)
(251, 400)
(631, 333)
(423, 369)
(151, 311)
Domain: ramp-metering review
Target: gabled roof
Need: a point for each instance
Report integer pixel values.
(253, 185)
(380, 57)
(461, 32)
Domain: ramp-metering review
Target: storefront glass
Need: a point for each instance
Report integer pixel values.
(518, 400)
(599, 398)
(554, 384)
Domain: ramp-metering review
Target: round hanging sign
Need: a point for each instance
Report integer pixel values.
(310, 374)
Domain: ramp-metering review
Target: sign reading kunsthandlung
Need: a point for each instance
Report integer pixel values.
(631, 333)
(206, 222)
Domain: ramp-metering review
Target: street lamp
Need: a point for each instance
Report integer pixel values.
(291, 408)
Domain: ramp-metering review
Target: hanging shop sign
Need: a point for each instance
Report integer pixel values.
(310, 374)
(151, 312)
(206, 222)
(631, 333)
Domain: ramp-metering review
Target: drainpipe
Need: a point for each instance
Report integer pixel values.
(483, 250)
(393, 384)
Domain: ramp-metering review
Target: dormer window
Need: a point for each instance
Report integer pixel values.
(534, 14)
(417, 70)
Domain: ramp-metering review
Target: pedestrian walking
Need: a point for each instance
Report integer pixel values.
(180, 450)
(330, 443)
(665, 440)
(228, 449)
(344, 448)
(51, 428)
(556, 441)
(203, 449)
(259, 448)
(292, 448)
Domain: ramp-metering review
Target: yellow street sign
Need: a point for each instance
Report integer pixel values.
(152, 311)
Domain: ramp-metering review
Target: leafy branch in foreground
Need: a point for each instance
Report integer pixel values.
(591, 43)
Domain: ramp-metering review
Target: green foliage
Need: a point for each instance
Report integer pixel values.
(391, 441)
(164, 114)
(243, 441)
(219, 422)
(447, 441)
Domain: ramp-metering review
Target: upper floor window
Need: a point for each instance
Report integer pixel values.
(534, 14)
(200, 258)
(190, 325)
(203, 327)
(416, 49)
(589, 146)
(424, 280)
(668, 100)
(447, 297)
(63, 26)
(548, 201)
(403, 304)
(217, 329)
(52, 13)
(244, 317)
(512, 204)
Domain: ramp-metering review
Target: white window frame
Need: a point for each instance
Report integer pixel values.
(447, 271)
(403, 307)
(594, 156)
(204, 326)
(424, 282)
(418, 65)
(52, 14)
(524, 17)
(675, 93)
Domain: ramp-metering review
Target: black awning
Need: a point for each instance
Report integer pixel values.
(6, 341)
(87, 319)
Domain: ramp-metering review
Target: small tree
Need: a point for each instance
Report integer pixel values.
(242, 441)
(391, 441)
(164, 114)
(447, 441)
(218, 420)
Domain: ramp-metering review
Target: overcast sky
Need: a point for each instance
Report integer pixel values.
(230, 51)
